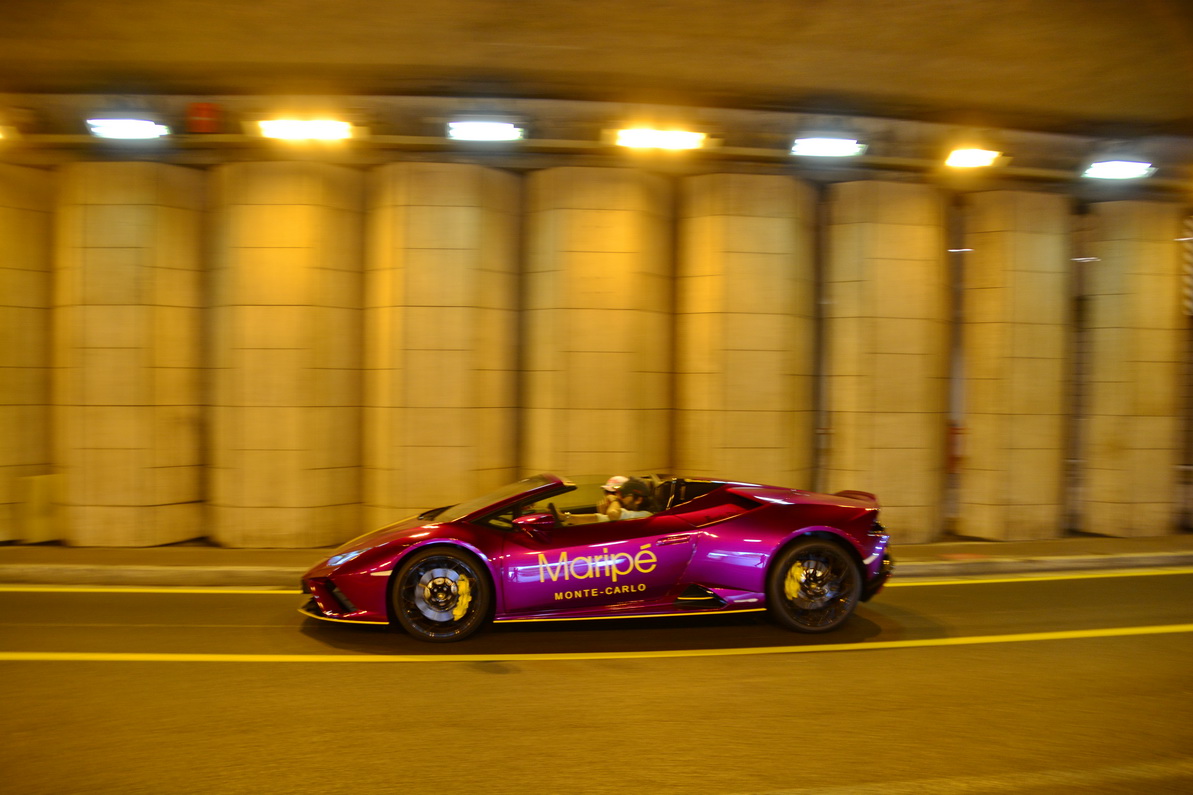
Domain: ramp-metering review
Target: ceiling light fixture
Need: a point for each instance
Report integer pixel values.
(974, 148)
(827, 145)
(485, 130)
(1118, 160)
(126, 127)
(1119, 169)
(972, 158)
(306, 129)
(645, 138)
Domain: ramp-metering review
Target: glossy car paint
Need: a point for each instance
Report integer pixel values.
(722, 542)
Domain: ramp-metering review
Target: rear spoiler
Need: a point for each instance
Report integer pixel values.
(861, 496)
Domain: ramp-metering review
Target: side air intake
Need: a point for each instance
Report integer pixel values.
(697, 597)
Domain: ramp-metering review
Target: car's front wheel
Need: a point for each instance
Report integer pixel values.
(441, 595)
(813, 586)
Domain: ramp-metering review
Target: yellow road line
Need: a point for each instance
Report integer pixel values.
(39, 656)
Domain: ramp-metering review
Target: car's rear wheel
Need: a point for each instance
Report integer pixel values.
(813, 586)
(441, 595)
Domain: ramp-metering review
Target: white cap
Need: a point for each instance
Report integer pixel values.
(614, 483)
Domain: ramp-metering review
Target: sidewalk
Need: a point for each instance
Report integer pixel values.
(200, 565)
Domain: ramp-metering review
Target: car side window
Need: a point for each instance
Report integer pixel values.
(502, 520)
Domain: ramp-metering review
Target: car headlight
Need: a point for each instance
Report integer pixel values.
(344, 557)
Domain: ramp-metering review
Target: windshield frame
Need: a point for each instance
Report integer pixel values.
(496, 499)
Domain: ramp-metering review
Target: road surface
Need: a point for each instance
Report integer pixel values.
(1073, 684)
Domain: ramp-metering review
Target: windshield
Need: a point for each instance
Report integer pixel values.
(494, 497)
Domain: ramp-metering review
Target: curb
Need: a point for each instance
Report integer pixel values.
(279, 577)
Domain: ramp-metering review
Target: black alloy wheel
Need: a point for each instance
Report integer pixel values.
(813, 586)
(441, 595)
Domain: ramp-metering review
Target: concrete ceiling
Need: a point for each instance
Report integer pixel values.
(1090, 67)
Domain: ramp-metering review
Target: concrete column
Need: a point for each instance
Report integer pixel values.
(287, 339)
(1016, 318)
(745, 329)
(887, 328)
(1136, 350)
(127, 311)
(598, 344)
(25, 204)
(440, 326)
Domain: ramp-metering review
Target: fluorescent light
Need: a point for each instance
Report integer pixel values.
(484, 131)
(306, 129)
(643, 138)
(827, 146)
(127, 128)
(972, 158)
(1119, 169)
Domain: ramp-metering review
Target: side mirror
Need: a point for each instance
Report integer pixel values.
(536, 524)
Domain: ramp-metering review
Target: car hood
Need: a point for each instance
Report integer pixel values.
(405, 528)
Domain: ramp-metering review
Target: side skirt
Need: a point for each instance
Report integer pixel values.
(668, 614)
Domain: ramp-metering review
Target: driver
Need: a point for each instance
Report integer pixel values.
(633, 502)
(609, 497)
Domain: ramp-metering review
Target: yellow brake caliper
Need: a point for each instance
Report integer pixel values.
(463, 597)
(795, 578)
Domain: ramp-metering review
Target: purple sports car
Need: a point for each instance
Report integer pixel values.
(712, 546)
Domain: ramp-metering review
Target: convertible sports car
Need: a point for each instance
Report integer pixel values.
(714, 546)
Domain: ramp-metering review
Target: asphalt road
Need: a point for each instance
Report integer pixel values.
(1080, 684)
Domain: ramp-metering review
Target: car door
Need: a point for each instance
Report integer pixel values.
(594, 565)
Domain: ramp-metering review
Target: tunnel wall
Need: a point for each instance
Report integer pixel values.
(26, 216)
(745, 328)
(1017, 343)
(127, 374)
(887, 366)
(1132, 426)
(441, 353)
(286, 356)
(598, 346)
(287, 353)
